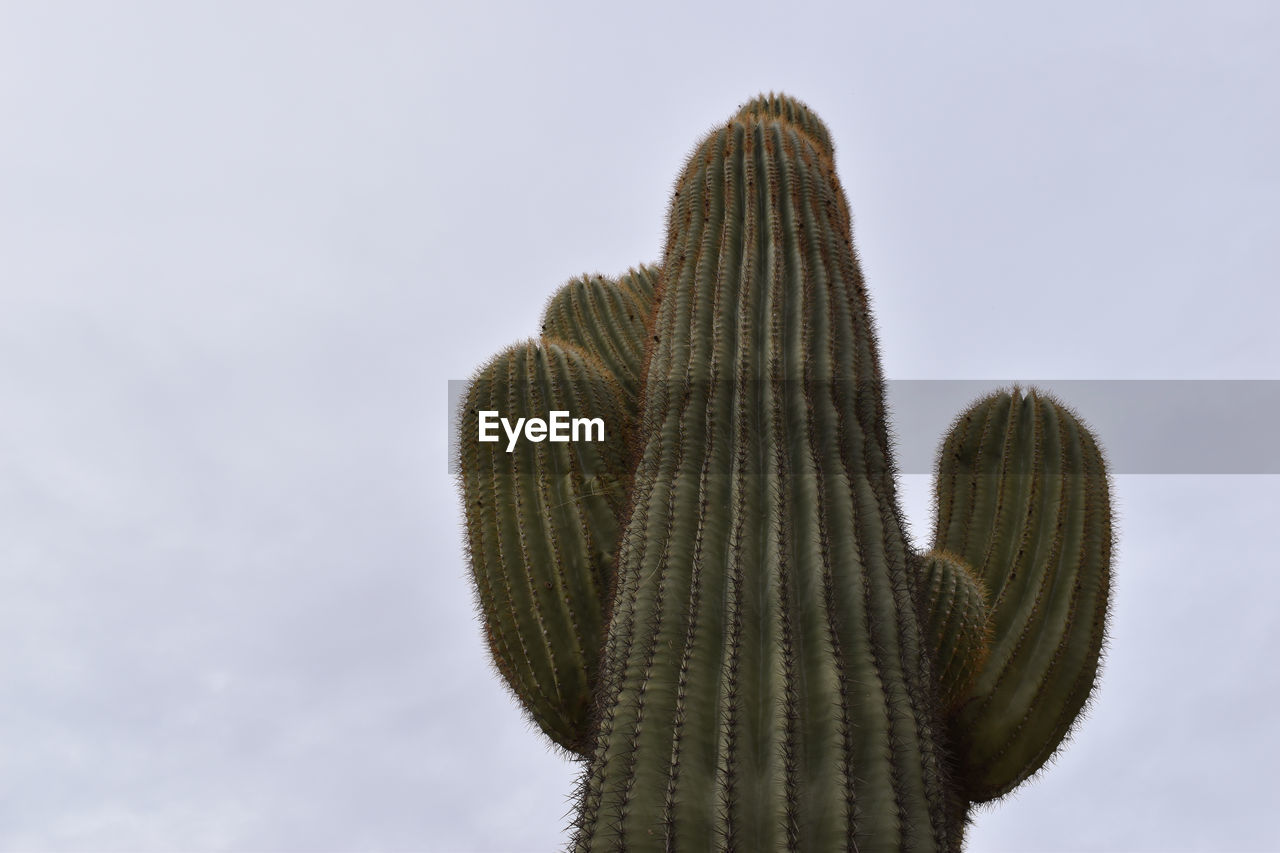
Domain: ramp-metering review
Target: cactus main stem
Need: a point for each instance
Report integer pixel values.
(764, 685)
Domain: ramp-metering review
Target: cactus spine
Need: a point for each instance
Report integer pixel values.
(719, 609)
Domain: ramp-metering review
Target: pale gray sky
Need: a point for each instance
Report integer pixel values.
(244, 246)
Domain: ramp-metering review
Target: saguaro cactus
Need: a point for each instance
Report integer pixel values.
(779, 670)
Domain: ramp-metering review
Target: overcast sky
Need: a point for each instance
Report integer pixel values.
(244, 246)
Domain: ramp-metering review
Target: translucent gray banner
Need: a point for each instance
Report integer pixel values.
(1145, 426)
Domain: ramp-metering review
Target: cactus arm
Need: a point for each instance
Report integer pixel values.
(542, 524)
(607, 320)
(642, 283)
(954, 614)
(1023, 496)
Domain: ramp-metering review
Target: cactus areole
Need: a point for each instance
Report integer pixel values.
(716, 606)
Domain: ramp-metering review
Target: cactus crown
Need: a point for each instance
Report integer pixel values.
(793, 112)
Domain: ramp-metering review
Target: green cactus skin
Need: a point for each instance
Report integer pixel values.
(608, 320)
(764, 681)
(719, 609)
(542, 530)
(1023, 497)
(955, 624)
